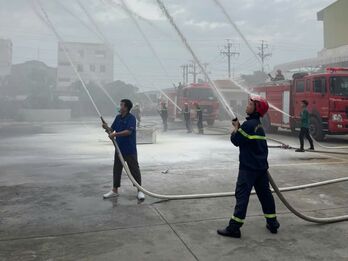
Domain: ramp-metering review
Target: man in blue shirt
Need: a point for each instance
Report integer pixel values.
(123, 129)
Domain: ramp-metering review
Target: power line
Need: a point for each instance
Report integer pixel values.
(193, 72)
(185, 73)
(263, 54)
(230, 51)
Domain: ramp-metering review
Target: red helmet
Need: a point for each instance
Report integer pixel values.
(261, 105)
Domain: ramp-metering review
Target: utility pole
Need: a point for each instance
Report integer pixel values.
(263, 54)
(205, 65)
(194, 72)
(230, 50)
(185, 73)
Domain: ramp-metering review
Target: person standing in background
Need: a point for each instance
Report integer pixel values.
(187, 117)
(164, 115)
(304, 132)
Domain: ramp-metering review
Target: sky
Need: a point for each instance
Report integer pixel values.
(289, 28)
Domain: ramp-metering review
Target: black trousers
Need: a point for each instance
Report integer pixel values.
(305, 133)
(200, 126)
(188, 124)
(165, 124)
(246, 181)
(132, 162)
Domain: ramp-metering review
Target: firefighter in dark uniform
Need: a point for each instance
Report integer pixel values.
(187, 117)
(253, 167)
(164, 115)
(199, 119)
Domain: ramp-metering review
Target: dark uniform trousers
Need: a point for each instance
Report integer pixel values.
(200, 121)
(132, 162)
(305, 133)
(246, 181)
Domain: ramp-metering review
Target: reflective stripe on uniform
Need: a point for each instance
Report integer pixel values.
(270, 215)
(251, 137)
(238, 219)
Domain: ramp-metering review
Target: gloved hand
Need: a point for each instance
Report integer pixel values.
(235, 123)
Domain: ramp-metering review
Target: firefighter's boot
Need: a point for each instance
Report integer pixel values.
(232, 230)
(272, 225)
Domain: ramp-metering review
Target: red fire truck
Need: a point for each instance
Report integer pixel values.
(327, 94)
(200, 93)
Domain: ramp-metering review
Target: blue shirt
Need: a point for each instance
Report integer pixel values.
(127, 144)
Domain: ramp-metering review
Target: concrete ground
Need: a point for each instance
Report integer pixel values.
(52, 177)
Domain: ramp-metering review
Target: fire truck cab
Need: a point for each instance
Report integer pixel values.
(326, 93)
(200, 93)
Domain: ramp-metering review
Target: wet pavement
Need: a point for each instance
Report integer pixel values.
(53, 175)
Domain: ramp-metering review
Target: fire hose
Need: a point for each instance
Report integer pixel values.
(328, 147)
(286, 146)
(48, 22)
(276, 190)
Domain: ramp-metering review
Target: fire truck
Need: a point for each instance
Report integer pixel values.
(326, 93)
(200, 93)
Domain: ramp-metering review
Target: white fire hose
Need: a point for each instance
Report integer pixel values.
(277, 190)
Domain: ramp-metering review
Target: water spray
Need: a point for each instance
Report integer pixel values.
(152, 49)
(44, 17)
(228, 17)
(136, 15)
(48, 22)
(234, 25)
(107, 94)
(188, 47)
(99, 33)
(61, 5)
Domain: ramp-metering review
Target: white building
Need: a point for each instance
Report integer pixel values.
(93, 61)
(5, 57)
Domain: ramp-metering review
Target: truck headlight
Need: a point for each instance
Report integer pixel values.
(337, 117)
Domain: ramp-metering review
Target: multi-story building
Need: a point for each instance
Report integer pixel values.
(5, 57)
(93, 61)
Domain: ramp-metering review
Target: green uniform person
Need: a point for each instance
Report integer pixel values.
(305, 128)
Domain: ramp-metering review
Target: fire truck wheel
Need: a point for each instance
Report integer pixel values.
(316, 129)
(210, 122)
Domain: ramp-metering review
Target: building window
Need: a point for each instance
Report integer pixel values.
(100, 53)
(92, 67)
(102, 68)
(80, 68)
(64, 79)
